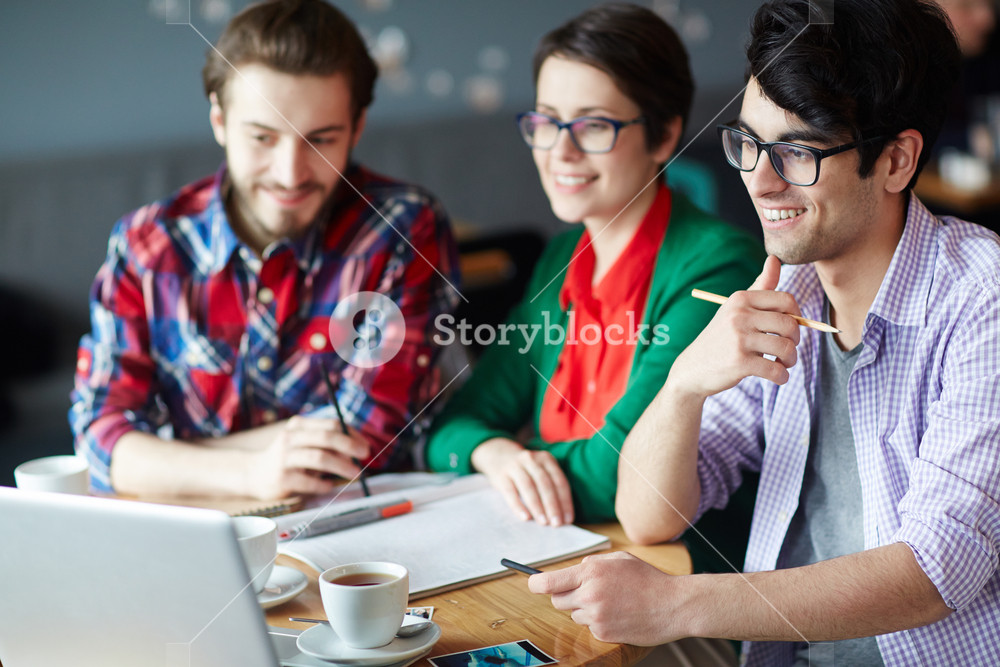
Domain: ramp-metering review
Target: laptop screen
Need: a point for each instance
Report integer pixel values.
(99, 582)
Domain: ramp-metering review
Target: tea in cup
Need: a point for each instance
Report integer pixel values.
(365, 602)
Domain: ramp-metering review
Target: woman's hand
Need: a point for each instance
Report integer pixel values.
(531, 481)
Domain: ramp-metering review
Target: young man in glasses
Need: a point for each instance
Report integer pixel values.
(220, 309)
(876, 532)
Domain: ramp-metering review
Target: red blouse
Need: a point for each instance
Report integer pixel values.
(596, 358)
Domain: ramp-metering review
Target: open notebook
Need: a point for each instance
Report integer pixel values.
(455, 536)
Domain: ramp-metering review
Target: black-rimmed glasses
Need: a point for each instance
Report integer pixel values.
(794, 163)
(591, 134)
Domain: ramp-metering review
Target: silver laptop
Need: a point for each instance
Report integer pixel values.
(99, 582)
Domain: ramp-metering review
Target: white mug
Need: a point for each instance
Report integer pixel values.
(365, 602)
(60, 474)
(258, 540)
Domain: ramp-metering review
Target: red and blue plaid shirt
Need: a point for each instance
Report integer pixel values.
(194, 336)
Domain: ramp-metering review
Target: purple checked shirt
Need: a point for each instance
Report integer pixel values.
(924, 401)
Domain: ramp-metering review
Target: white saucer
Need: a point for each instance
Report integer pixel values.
(307, 661)
(320, 641)
(283, 584)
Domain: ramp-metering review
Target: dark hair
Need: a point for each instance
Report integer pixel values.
(875, 67)
(638, 50)
(293, 37)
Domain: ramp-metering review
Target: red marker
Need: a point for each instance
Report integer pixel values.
(330, 523)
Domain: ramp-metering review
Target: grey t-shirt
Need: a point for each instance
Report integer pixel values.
(828, 521)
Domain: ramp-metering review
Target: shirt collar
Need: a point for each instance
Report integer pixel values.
(902, 297)
(803, 281)
(223, 241)
(630, 270)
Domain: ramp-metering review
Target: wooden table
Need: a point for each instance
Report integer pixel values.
(502, 610)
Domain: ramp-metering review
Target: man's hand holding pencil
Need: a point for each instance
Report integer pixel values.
(305, 456)
(755, 333)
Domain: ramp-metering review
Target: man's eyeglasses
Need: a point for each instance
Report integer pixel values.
(794, 163)
(591, 134)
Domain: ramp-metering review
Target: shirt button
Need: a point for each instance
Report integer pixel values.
(805, 441)
(265, 364)
(453, 460)
(82, 365)
(591, 387)
(265, 295)
(245, 254)
(269, 416)
(782, 516)
(423, 360)
(317, 341)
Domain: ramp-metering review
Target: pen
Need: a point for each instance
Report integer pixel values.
(343, 425)
(719, 299)
(518, 566)
(328, 524)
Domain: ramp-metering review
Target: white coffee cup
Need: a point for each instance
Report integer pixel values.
(258, 539)
(60, 474)
(365, 602)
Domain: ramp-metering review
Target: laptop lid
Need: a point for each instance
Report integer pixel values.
(98, 582)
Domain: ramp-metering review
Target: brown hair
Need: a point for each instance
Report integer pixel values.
(638, 50)
(294, 37)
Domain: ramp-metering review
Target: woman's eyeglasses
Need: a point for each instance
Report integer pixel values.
(590, 134)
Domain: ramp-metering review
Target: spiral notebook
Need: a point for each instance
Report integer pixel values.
(232, 506)
(455, 536)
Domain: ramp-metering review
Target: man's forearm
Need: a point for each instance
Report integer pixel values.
(869, 593)
(658, 487)
(144, 464)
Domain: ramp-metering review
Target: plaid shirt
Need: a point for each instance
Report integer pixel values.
(925, 410)
(192, 331)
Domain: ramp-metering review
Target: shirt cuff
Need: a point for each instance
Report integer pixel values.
(454, 454)
(950, 536)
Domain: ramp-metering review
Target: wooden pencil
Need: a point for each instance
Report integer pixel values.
(719, 299)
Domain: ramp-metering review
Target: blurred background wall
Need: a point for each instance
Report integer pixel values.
(101, 111)
(83, 76)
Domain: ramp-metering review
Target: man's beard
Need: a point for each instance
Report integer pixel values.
(248, 226)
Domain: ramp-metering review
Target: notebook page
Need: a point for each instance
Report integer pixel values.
(449, 541)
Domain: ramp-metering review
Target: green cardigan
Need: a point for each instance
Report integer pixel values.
(505, 393)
